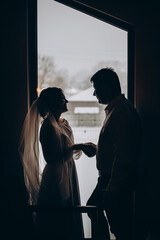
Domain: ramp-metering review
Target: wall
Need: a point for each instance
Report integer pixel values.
(14, 212)
(15, 79)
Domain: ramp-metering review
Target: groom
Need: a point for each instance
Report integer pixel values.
(117, 155)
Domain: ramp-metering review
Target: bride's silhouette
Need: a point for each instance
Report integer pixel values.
(58, 185)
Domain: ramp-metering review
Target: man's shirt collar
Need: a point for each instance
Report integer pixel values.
(113, 103)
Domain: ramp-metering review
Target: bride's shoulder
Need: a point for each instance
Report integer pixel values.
(63, 120)
(45, 122)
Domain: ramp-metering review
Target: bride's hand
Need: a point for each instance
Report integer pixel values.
(77, 146)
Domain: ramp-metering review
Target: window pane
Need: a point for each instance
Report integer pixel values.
(72, 46)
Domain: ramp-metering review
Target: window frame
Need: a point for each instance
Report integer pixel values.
(32, 51)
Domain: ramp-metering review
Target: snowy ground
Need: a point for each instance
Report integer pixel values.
(86, 169)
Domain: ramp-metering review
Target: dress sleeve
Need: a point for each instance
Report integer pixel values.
(75, 153)
(51, 144)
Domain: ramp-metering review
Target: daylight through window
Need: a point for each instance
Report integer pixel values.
(72, 46)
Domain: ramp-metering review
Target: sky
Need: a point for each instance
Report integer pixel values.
(76, 40)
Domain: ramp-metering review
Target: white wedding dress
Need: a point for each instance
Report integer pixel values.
(59, 184)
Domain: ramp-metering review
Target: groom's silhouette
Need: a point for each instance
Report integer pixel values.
(117, 155)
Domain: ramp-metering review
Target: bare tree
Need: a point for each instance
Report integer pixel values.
(46, 70)
(48, 75)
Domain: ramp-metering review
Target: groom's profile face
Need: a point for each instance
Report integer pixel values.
(101, 93)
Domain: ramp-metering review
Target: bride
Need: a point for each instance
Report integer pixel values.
(58, 185)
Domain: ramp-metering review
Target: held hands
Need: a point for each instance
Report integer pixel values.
(88, 148)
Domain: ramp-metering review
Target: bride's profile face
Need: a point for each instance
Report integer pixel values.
(63, 103)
